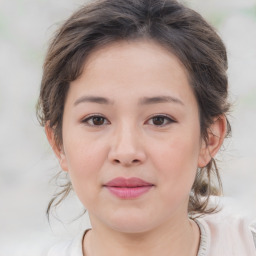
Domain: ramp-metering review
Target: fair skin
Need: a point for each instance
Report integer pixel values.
(132, 113)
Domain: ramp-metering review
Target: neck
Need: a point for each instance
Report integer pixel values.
(177, 238)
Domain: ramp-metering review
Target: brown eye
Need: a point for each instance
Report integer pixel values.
(158, 120)
(95, 121)
(98, 120)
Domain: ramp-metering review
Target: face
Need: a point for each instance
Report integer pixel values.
(131, 137)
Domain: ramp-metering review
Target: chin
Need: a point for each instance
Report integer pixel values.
(131, 225)
(132, 229)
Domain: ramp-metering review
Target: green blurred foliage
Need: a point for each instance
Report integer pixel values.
(249, 100)
(217, 18)
(250, 11)
(3, 25)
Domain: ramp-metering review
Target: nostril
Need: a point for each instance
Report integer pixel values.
(135, 161)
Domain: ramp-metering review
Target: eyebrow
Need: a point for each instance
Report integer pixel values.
(142, 101)
(160, 99)
(93, 99)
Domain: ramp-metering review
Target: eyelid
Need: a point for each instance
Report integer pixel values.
(89, 117)
(86, 119)
(168, 117)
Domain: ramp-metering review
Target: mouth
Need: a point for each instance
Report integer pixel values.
(128, 188)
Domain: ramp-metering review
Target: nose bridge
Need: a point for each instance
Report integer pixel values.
(126, 133)
(126, 146)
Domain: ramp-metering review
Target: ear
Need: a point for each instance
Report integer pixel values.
(216, 135)
(58, 150)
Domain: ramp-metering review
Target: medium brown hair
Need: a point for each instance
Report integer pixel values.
(170, 24)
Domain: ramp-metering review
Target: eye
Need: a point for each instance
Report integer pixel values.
(160, 120)
(95, 120)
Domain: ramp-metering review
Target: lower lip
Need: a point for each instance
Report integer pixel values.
(129, 193)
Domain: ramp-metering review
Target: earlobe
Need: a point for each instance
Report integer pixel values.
(216, 135)
(59, 152)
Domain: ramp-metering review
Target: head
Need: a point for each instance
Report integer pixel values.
(135, 26)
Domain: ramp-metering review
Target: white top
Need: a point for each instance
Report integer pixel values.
(229, 236)
(220, 236)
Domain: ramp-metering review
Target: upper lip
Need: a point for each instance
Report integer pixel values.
(130, 182)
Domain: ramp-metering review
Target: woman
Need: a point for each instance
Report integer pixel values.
(134, 101)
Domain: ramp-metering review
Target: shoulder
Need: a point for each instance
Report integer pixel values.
(227, 235)
(68, 248)
(253, 230)
(61, 248)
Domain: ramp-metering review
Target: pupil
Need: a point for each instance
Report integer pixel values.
(98, 120)
(158, 120)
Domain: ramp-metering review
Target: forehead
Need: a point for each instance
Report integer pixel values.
(135, 68)
(136, 52)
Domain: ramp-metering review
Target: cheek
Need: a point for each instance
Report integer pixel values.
(176, 160)
(84, 154)
(84, 165)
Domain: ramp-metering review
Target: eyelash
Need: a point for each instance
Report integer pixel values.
(167, 120)
(90, 118)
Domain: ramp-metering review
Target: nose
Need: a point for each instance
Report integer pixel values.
(126, 148)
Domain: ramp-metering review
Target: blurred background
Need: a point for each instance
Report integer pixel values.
(27, 163)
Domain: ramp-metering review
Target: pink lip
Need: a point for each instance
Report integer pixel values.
(128, 188)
